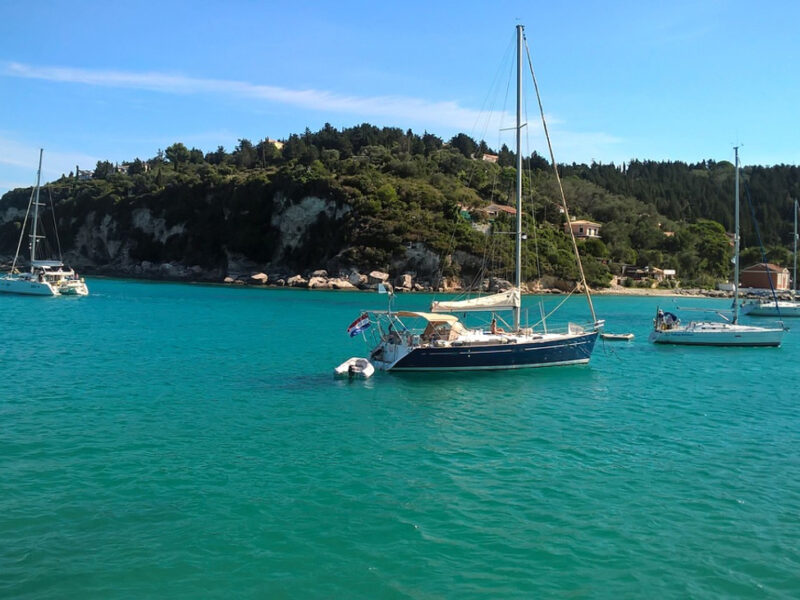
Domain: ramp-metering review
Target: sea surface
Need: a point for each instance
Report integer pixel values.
(164, 440)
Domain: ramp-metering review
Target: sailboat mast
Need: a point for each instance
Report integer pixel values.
(736, 241)
(518, 269)
(36, 210)
(794, 274)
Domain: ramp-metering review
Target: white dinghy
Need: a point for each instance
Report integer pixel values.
(355, 367)
(617, 337)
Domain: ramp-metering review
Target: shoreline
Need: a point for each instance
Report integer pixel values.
(319, 280)
(611, 291)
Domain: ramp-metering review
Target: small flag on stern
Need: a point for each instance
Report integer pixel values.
(359, 325)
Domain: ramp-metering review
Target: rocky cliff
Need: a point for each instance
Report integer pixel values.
(220, 239)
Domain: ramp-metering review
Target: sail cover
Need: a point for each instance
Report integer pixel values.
(502, 301)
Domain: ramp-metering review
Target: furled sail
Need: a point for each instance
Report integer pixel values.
(502, 301)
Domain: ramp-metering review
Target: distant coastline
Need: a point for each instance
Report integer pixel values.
(357, 282)
(243, 282)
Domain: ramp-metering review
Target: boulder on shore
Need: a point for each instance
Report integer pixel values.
(404, 282)
(358, 280)
(319, 283)
(341, 284)
(297, 281)
(378, 277)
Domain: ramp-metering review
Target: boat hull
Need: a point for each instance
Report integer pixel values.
(784, 309)
(568, 350)
(617, 337)
(73, 288)
(26, 287)
(718, 334)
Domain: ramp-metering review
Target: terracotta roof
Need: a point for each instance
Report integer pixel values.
(763, 266)
(501, 207)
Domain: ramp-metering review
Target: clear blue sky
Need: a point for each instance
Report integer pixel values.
(681, 80)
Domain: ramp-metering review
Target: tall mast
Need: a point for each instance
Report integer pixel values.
(794, 274)
(518, 270)
(35, 229)
(736, 241)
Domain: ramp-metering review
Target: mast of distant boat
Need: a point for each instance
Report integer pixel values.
(794, 274)
(518, 270)
(736, 242)
(35, 228)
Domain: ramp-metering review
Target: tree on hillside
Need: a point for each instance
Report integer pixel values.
(464, 144)
(177, 154)
(137, 167)
(431, 142)
(245, 155)
(506, 158)
(196, 156)
(218, 157)
(103, 170)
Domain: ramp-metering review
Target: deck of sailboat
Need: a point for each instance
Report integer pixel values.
(712, 333)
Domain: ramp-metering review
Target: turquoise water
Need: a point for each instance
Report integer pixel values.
(165, 440)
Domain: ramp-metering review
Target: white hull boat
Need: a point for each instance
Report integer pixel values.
(617, 337)
(717, 334)
(23, 283)
(355, 368)
(764, 308)
(667, 328)
(45, 277)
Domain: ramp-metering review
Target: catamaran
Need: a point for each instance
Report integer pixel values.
(443, 343)
(778, 308)
(667, 328)
(45, 277)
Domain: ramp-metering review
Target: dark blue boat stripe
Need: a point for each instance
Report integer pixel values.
(507, 356)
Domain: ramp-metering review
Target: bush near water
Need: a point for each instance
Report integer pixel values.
(366, 198)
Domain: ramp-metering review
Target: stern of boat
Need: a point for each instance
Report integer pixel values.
(73, 288)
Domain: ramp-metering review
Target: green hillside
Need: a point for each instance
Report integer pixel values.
(362, 197)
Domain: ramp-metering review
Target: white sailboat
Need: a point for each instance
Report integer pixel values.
(775, 307)
(45, 277)
(443, 343)
(667, 328)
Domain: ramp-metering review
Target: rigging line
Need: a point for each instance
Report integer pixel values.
(530, 197)
(531, 200)
(55, 225)
(450, 250)
(552, 312)
(486, 255)
(451, 245)
(560, 187)
(22, 233)
(761, 247)
(503, 112)
(491, 94)
(534, 227)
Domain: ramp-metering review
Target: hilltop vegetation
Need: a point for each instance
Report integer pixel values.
(363, 197)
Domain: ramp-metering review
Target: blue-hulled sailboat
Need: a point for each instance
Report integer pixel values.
(439, 341)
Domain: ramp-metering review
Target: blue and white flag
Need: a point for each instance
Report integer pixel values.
(359, 325)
